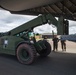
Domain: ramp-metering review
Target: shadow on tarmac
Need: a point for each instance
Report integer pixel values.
(57, 63)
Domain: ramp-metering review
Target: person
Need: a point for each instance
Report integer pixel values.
(55, 43)
(63, 44)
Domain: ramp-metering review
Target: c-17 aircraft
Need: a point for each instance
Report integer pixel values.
(17, 42)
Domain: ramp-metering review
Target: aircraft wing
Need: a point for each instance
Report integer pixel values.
(69, 37)
(67, 8)
(19, 5)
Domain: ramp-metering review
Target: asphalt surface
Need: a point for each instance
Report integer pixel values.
(55, 64)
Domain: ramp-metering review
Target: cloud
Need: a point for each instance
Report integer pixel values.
(9, 21)
(45, 29)
(72, 27)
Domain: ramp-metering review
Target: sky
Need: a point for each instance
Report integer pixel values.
(10, 21)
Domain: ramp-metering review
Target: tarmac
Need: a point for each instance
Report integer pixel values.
(57, 63)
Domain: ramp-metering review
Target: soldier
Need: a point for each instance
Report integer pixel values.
(55, 43)
(63, 44)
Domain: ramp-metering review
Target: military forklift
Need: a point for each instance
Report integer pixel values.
(18, 42)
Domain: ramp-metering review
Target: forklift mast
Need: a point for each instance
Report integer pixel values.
(42, 19)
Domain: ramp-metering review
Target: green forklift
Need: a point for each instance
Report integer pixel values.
(18, 41)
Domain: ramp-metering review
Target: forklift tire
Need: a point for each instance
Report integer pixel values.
(47, 51)
(26, 53)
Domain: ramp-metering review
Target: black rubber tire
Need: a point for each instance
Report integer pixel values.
(47, 51)
(26, 53)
